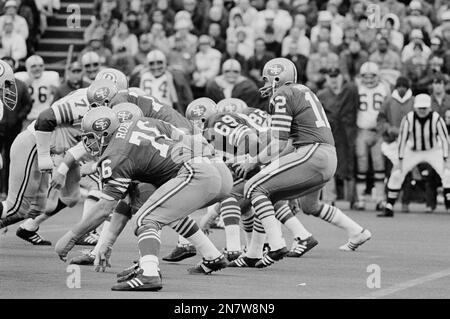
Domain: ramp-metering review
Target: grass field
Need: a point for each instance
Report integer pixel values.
(412, 252)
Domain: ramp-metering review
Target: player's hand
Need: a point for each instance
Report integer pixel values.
(58, 180)
(45, 163)
(65, 245)
(88, 169)
(243, 169)
(102, 258)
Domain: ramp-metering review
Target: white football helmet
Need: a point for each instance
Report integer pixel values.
(199, 110)
(157, 62)
(8, 86)
(118, 77)
(101, 92)
(232, 105)
(98, 126)
(127, 111)
(370, 74)
(35, 66)
(277, 72)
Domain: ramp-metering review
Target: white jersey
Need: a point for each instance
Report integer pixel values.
(69, 112)
(41, 91)
(370, 101)
(156, 87)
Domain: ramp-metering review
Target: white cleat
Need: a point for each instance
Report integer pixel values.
(356, 241)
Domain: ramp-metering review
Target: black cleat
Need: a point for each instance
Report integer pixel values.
(386, 213)
(32, 237)
(140, 283)
(180, 253)
(124, 274)
(206, 267)
(301, 247)
(232, 255)
(244, 262)
(271, 257)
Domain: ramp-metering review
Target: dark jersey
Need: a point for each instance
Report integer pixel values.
(259, 119)
(297, 113)
(145, 150)
(151, 107)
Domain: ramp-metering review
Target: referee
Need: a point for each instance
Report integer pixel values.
(423, 138)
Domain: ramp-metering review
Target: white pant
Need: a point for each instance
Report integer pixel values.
(411, 159)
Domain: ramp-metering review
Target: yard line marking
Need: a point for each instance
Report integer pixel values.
(405, 285)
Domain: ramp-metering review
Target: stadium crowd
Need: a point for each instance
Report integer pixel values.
(217, 49)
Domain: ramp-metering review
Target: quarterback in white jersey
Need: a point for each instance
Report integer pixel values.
(41, 85)
(372, 94)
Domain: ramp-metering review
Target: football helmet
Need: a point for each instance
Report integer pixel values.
(8, 86)
(118, 77)
(232, 105)
(97, 127)
(127, 111)
(199, 110)
(101, 92)
(370, 74)
(157, 63)
(277, 72)
(35, 66)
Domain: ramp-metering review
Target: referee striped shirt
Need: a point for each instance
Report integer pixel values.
(423, 133)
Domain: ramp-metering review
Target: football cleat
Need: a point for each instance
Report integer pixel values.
(206, 267)
(86, 259)
(301, 247)
(388, 212)
(356, 241)
(266, 248)
(32, 237)
(232, 255)
(90, 239)
(244, 262)
(128, 271)
(380, 206)
(180, 253)
(140, 283)
(271, 257)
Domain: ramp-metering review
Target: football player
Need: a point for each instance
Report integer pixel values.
(114, 75)
(372, 94)
(148, 150)
(301, 158)
(41, 85)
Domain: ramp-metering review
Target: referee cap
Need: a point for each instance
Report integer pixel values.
(422, 101)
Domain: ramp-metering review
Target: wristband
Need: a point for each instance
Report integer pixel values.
(63, 169)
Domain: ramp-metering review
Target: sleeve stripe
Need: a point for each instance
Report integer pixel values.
(61, 114)
(116, 183)
(124, 180)
(69, 112)
(281, 129)
(281, 123)
(282, 117)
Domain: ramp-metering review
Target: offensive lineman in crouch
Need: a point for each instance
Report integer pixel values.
(301, 158)
(187, 179)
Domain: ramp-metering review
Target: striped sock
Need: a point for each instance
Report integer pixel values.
(149, 242)
(287, 218)
(231, 215)
(266, 213)
(185, 228)
(182, 241)
(335, 216)
(204, 245)
(392, 195)
(257, 241)
(149, 264)
(247, 225)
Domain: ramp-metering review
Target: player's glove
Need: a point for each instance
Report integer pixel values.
(102, 258)
(65, 244)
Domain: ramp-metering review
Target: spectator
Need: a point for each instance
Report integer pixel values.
(435, 65)
(436, 46)
(29, 10)
(13, 44)
(237, 24)
(168, 13)
(338, 19)
(296, 36)
(104, 21)
(326, 21)
(300, 62)
(231, 53)
(366, 35)
(258, 60)
(388, 61)
(278, 18)
(232, 84)
(132, 21)
(352, 59)
(416, 37)
(245, 44)
(394, 7)
(169, 87)
(158, 39)
(198, 10)
(145, 46)
(124, 41)
(20, 24)
(218, 15)
(245, 10)
(272, 45)
(11, 125)
(415, 67)
(97, 44)
(300, 23)
(74, 81)
(391, 31)
(182, 30)
(307, 8)
(45, 8)
(340, 100)
(207, 65)
(215, 33)
(440, 101)
(357, 10)
(445, 22)
(318, 64)
(416, 19)
(91, 66)
(180, 59)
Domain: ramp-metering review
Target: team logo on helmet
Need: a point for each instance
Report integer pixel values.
(275, 69)
(110, 76)
(2, 70)
(102, 93)
(198, 111)
(124, 116)
(101, 124)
